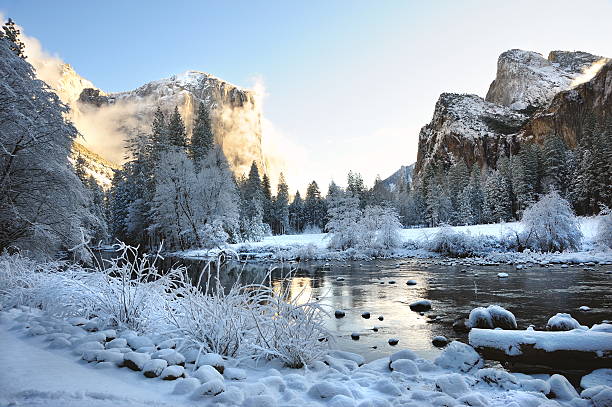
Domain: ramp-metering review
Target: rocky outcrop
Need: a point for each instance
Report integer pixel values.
(234, 111)
(531, 98)
(467, 127)
(526, 81)
(568, 110)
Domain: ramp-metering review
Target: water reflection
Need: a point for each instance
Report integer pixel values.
(533, 295)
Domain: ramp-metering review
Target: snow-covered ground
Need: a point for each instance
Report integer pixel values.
(315, 245)
(43, 362)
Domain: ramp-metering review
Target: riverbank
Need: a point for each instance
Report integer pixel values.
(53, 362)
(415, 244)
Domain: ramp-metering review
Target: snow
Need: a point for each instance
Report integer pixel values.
(36, 375)
(599, 377)
(562, 322)
(414, 240)
(491, 317)
(510, 341)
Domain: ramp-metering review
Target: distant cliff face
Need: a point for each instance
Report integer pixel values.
(106, 120)
(530, 98)
(235, 112)
(526, 81)
(466, 127)
(567, 111)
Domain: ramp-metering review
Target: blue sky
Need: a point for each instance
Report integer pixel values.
(348, 83)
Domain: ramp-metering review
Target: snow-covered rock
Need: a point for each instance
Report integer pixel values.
(561, 388)
(234, 373)
(207, 373)
(526, 80)
(600, 396)
(210, 388)
(169, 355)
(491, 317)
(154, 367)
(452, 384)
(562, 322)
(599, 377)
(327, 390)
(459, 357)
(497, 377)
(405, 366)
(135, 360)
(172, 372)
(403, 354)
(186, 386)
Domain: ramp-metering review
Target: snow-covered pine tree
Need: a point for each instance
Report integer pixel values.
(497, 204)
(343, 226)
(356, 186)
(523, 191)
(251, 211)
(457, 177)
(314, 207)
(177, 136)
(555, 166)
(296, 213)
(217, 196)
(266, 189)
(43, 204)
(202, 137)
(281, 207)
(11, 33)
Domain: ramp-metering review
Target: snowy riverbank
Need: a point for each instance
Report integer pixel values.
(414, 244)
(53, 362)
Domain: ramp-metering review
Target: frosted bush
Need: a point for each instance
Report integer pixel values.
(450, 242)
(211, 319)
(214, 235)
(550, 225)
(249, 320)
(603, 236)
(292, 327)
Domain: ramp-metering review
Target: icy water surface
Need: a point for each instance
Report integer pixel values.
(533, 295)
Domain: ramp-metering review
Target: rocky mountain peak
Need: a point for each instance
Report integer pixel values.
(467, 127)
(526, 81)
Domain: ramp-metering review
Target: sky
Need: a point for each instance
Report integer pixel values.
(348, 84)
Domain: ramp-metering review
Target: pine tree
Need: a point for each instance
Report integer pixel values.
(458, 177)
(497, 205)
(202, 138)
(176, 130)
(314, 207)
(268, 216)
(281, 207)
(356, 186)
(296, 213)
(555, 168)
(159, 135)
(11, 33)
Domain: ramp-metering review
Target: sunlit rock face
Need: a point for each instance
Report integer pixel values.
(235, 113)
(567, 112)
(530, 98)
(466, 127)
(526, 81)
(106, 120)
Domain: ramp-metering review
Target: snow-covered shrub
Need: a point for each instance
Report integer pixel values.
(376, 227)
(20, 279)
(128, 291)
(214, 235)
(603, 236)
(253, 320)
(214, 319)
(550, 225)
(453, 243)
(292, 327)
(344, 216)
